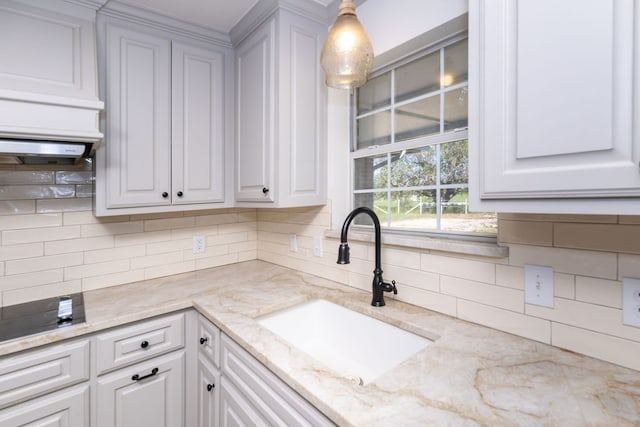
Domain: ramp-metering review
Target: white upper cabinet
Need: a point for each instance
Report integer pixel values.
(168, 124)
(48, 86)
(281, 113)
(554, 91)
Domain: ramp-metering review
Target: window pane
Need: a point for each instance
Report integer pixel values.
(413, 210)
(418, 77)
(455, 109)
(371, 173)
(414, 168)
(375, 201)
(374, 130)
(418, 119)
(456, 216)
(455, 63)
(375, 94)
(453, 162)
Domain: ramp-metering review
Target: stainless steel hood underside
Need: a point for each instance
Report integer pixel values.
(32, 151)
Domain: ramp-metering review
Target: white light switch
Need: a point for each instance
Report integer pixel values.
(631, 301)
(538, 285)
(317, 246)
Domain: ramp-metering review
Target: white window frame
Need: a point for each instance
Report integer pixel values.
(420, 142)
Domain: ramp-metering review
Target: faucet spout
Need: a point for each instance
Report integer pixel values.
(379, 286)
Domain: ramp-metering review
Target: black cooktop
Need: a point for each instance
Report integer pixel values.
(38, 316)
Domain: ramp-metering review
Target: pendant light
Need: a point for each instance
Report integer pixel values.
(347, 54)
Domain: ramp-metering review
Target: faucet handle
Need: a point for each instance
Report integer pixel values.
(390, 287)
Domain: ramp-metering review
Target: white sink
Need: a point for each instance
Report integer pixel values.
(352, 344)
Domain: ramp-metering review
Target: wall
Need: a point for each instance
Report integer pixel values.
(51, 244)
(589, 254)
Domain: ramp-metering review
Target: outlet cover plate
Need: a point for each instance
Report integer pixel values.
(198, 244)
(538, 285)
(317, 246)
(631, 301)
(293, 242)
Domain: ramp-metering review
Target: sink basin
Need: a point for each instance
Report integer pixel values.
(352, 344)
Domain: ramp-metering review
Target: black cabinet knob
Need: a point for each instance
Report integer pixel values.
(165, 194)
(144, 344)
(203, 340)
(179, 193)
(265, 190)
(210, 387)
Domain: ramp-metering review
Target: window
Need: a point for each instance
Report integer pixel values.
(410, 148)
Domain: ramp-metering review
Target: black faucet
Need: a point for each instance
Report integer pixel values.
(378, 286)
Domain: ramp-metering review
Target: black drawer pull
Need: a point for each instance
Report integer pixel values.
(179, 193)
(144, 344)
(265, 190)
(165, 195)
(203, 340)
(210, 387)
(137, 377)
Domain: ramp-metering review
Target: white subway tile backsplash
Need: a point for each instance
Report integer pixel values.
(599, 291)
(602, 346)
(98, 269)
(14, 177)
(506, 320)
(74, 177)
(17, 207)
(142, 238)
(13, 237)
(496, 296)
(63, 205)
(168, 223)
(43, 263)
(78, 245)
(155, 260)
(112, 254)
(462, 268)
(571, 261)
(87, 217)
(17, 281)
(435, 301)
(112, 279)
(21, 295)
(26, 250)
(113, 228)
(169, 269)
(31, 192)
(17, 222)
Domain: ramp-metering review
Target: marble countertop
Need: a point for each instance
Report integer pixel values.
(470, 375)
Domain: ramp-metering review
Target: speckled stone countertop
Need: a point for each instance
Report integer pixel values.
(470, 375)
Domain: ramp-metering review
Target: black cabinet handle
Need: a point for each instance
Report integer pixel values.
(137, 377)
(165, 194)
(203, 340)
(144, 344)
(210, 387)
(265, 190)
(179, 193)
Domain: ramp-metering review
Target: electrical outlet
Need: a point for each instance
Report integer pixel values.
(317, 246)
(538, 285)
(293, 242)
(631, 301)
(198, 244)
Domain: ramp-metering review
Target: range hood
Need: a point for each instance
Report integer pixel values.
(39, 151)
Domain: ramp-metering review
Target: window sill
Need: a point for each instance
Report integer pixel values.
(465, 247)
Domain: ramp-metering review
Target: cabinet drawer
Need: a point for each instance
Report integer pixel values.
(275, 400)
(69, 407)
(135, 343)
(32, 374)
(209, 340)
(149, 394)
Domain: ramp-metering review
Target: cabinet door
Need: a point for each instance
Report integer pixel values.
(208, 393)
(149, 394)
(554, 111)
(198, 118)
(138, 168)
(69, 408)
(254, 116)
(235, 409)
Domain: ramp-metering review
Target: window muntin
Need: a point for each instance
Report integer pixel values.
(410, 154)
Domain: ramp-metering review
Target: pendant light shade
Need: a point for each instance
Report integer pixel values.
(347, 54)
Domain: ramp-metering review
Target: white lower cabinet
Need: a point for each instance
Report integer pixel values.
(149, 394)
(46, 387)
(66, 408)
(148, 374)
(253, 395)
